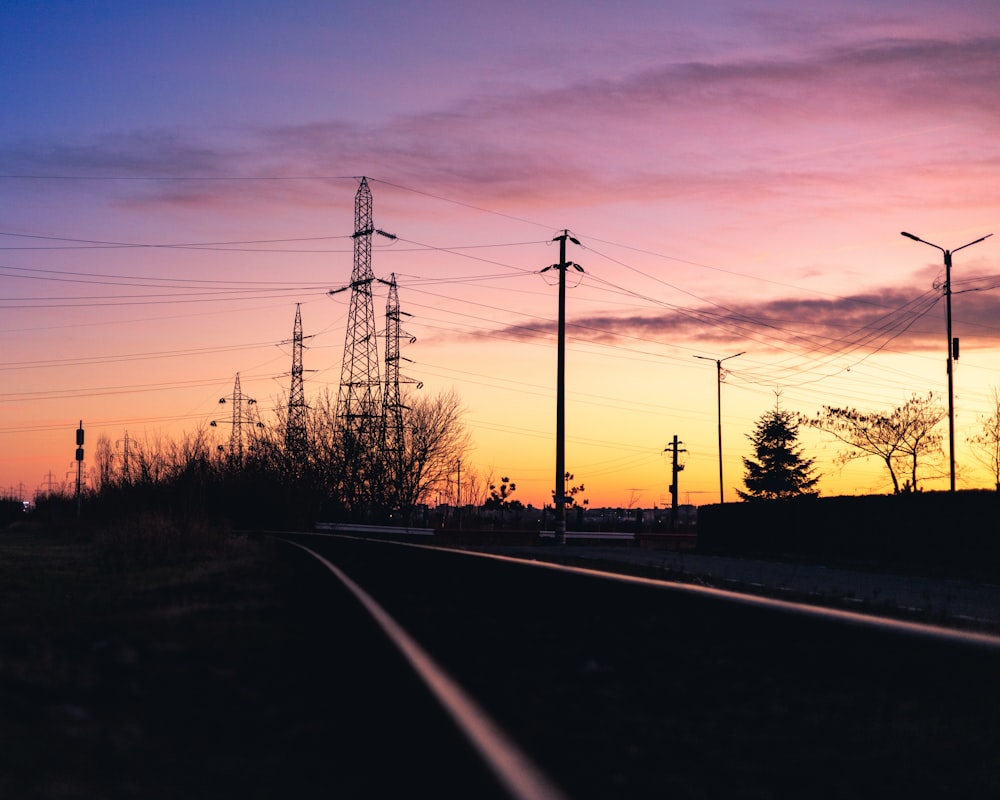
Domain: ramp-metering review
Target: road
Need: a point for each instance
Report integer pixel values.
(634, 690)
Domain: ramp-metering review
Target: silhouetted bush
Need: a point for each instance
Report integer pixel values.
(936, 533)
(153, 539)
(11, 510)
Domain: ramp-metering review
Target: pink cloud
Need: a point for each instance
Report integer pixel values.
(858, 117)
(891, 319)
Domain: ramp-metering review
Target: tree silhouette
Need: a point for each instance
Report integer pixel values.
(570, 497)
(500, 493)
(904, 438)
(986, 444)
(571, 492)
(500, 496)
(779, 470)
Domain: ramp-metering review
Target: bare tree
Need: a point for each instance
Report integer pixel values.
(150, 461)
(104, 455)
(903, 439)
(435, 439)
(335, 463)
(191, 448)
(475, 486)
(986, 444)
(323, 452)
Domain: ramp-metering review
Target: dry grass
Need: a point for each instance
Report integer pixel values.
(152, 539)
(105, 635)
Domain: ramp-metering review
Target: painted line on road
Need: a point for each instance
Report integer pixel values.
(522, 779)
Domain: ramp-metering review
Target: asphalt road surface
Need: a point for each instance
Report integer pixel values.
(619, 690)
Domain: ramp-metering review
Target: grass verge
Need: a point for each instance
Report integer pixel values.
(140, 661)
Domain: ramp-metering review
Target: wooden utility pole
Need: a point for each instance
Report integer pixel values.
(560, 487)
(675, 449)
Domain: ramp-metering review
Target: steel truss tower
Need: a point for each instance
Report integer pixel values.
(393, 442)
(243, 414)
(295, 425)
(359, 401)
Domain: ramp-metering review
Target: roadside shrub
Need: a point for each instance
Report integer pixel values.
(11, 510)
(151, 539)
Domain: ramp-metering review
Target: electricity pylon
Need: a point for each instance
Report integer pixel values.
(358, 400)
(243, 413)
(126, 459)
(393, 436)
(295, 424)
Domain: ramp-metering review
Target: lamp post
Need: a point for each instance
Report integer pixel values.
(951, 346)
(718, 367)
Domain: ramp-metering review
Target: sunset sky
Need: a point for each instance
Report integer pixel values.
(175, 177)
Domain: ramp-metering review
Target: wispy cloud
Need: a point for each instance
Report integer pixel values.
(856, 114)
(893, 319)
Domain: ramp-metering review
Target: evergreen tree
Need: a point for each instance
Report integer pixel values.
(779, 470)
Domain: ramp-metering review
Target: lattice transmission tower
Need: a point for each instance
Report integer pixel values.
(394, 441)
(359, 400)
(296, 438)
(244, 414)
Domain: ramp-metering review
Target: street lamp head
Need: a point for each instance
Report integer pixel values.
(980, 239)
(947, 253)
(924, 241)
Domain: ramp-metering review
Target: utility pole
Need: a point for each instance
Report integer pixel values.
(718, 391)
(952, 344)
(675, 450)
(560, 487)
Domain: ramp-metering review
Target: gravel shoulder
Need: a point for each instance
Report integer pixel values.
(952, 603)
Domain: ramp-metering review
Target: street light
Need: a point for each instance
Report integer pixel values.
(718, 367)
(951, 345)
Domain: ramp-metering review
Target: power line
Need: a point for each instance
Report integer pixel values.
(98, 244)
